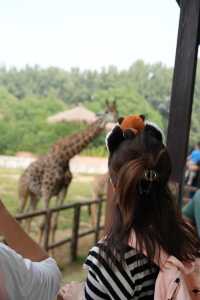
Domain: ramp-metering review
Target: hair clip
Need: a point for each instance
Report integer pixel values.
(150, 175)
(145, 185)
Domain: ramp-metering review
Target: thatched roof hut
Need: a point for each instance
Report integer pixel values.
(76, 114)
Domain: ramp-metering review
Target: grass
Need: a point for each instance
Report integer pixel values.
(74, 271)
(8, 188)
(80, 189)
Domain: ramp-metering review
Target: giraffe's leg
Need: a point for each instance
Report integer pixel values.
(28, 207)
(99, 190)
(60, 201)
(32, 207)
(23, 198)
(23, 202)
(43, 224)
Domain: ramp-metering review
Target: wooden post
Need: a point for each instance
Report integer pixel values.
(109, 207)
(75, 231)
(99, 210)
(183, 87)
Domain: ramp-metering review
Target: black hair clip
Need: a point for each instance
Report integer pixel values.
(150, 175)
(145, 185)
(114, 139)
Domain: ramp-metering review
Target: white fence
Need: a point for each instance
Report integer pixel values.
(79, 164)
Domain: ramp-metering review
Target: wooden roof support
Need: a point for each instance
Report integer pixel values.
(183, 86)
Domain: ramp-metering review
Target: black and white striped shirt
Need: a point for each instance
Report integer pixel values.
(134, 279)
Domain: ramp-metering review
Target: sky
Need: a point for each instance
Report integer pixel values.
(88, 34)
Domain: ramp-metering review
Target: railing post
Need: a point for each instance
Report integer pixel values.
(183, 88)
(99, 211)
(75, 231)
(47, 229)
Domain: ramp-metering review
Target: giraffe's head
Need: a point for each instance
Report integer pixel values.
(111, 112)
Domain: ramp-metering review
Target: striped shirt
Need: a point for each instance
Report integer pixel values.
(134, 279)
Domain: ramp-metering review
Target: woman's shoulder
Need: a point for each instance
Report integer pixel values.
(100, 254)
(94, 255)
(134, 270)
(102, 247)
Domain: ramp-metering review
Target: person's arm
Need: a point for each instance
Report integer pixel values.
(194, 167)
(25, 265)
(26, 279)
(17, 238)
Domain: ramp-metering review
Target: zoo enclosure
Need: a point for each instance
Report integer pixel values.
(76, 233)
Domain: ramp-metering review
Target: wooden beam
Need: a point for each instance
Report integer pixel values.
(75, 232)
(183, 86)
(178, 1)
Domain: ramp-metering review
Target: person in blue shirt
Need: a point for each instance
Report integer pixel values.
(192, 161)
(195, 154)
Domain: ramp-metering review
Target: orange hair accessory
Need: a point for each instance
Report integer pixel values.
(133, 122)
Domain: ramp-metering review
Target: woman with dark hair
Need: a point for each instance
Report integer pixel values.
(143, 209)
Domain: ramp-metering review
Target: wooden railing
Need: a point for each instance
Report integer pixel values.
(76, 233)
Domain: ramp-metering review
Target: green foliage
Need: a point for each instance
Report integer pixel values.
(128, 102)
(29, 96)
(26, 127)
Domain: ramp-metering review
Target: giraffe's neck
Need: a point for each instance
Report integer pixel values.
(70, 146)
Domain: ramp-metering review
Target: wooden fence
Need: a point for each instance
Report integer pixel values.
(76, 233)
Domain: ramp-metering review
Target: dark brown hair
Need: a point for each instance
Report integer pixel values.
(148, 208)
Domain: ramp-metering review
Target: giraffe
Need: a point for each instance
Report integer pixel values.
(99, 191)
(50, 174)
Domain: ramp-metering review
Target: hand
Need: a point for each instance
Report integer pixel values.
(71, 291)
